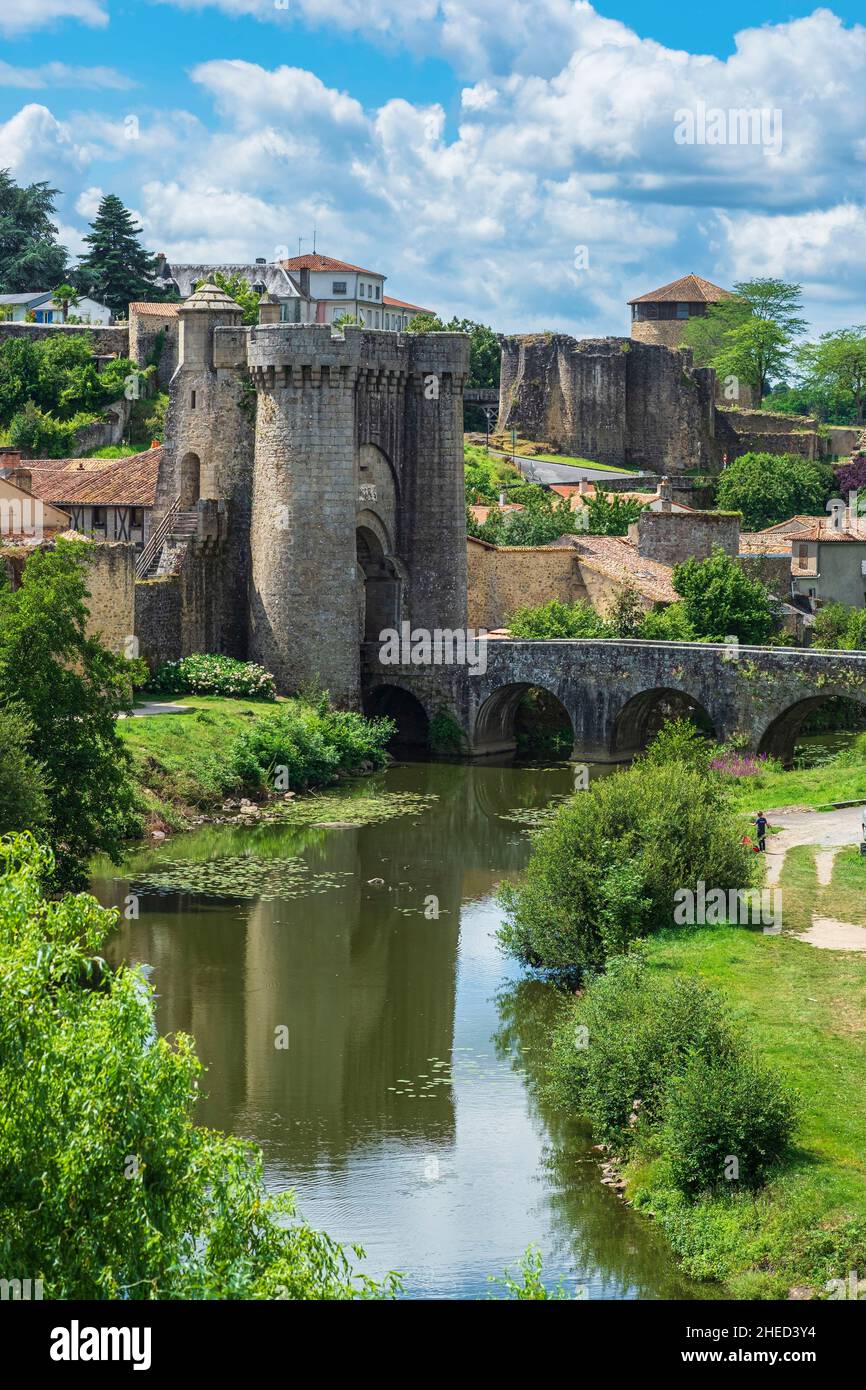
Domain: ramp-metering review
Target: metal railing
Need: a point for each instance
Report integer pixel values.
(145, 559)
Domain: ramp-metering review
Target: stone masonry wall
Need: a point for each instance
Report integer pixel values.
(671, 537)
(108, 341)
(613, 400)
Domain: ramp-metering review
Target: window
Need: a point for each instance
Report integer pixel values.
(338, 287)
(802, 556)
(360, 291)
(378, 290)
(192, 400)
(136, 518)
(682, 311)
(98, 516)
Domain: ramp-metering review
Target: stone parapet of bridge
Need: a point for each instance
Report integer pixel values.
(616, 693)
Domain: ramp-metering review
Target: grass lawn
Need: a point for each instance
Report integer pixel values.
(842, 779)
(180, 759)
(806, 1010)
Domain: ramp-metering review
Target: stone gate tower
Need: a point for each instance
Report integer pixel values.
(337, 461)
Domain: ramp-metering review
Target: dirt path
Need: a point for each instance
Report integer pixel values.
(828, 831)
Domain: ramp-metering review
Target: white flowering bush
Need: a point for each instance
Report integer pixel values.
(203, 674)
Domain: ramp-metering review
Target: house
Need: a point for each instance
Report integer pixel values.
(38, 306)
(659, 316)
(24, 517)
(828, 564)
(107, 499)
(309, 289)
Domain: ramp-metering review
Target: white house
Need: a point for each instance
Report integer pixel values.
(310, 289)
(44, 309)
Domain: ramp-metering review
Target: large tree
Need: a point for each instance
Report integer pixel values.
(30, 258)
(719, 600)
(750, 336)
(836, 365)
(767, 488)
(69, 688)
(116, 269)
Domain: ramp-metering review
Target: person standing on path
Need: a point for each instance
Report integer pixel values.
(761, 830)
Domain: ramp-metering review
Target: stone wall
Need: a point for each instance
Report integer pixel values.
(675, 536)
(144, 331)
(158, 619)
(502, 579)
(108, 341)
(613, 400)
(111, 582)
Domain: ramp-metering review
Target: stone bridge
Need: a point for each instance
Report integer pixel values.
(616, 693)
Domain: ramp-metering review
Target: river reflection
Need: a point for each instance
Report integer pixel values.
(405, 1110)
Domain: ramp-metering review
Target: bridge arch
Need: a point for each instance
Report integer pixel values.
(641, 717)
(780, 736)
(380, 580)
(495, 729)
(412, 720)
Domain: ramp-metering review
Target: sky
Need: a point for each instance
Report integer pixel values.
(533, 164)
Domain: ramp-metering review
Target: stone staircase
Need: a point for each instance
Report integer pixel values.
(167, 556)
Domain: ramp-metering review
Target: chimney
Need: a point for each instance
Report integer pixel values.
(665, 496)
(9, 460)
(583, 487)
(304, 282)
(269, 309)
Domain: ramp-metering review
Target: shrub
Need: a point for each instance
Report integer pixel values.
(679, 741)
(313, 744)
(555, 619)
(723, 1108)
(203, 674)
(39, 434)
(768, 488)
(669, 825)
(719, 600)
(624, 1039)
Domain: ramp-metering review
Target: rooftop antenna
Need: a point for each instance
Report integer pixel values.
(299, 245)
(314, 241)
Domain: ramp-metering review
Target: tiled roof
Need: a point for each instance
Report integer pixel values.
(148, 306)
(125, 482)
(760, 543)
(793, 526)
(822, 532)
(314, 261)
(617, 558)
(481, 510)
(689, 289)
(403, 304)
(572, 490)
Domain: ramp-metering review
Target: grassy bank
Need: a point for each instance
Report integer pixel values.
(806, 1010)
(843, 778)
(186, 765)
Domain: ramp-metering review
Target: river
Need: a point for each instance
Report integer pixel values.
(358, 1021)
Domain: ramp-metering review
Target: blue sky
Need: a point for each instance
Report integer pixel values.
(516, 162)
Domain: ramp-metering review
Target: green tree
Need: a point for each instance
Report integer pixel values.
(836, 366)
(67, 297)
(605, 870)
(557, 620)
(426, 323)
(24, 785)
(238, 289)
(768, 488)
(720, 600)
(30, 258)
(71, 688)
(108, 1187)
(749, 336)
(840, 627)
(116, 269)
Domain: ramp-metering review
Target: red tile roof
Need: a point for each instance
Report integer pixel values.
(148, 306)
(125, 482)
(403, 304)
(314, 261)
(618, 559)
(689, 289)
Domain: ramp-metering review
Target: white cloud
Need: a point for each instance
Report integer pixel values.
(565, 140)
(34, 145)
(62, 75)
(22, 16)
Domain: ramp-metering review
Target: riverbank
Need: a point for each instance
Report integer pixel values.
(841, 778)
(806, 1010)
(188, 772)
